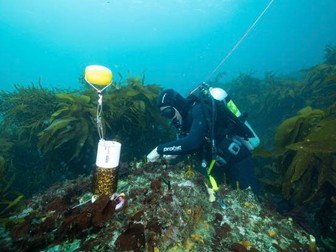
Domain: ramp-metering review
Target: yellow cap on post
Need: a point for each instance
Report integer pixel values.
(98, 75)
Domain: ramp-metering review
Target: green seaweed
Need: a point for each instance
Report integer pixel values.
(306, 144)
(72, 122)
(292, 129)
(131, 115)
(26, 109)
(330, 55)
(56, 131)
(321, 139)
(10, 201)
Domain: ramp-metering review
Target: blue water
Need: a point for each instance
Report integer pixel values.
(177, 43)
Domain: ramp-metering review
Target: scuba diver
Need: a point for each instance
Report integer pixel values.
(207, 127)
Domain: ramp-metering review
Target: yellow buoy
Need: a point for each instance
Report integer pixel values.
(98, 75)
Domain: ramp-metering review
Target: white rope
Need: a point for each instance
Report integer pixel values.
(99, 90)
(99, 118)
(241, 39)
(99, 110)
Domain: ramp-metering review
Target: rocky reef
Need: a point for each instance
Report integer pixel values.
(165, 210)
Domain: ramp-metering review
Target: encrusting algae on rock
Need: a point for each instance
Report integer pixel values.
(159, 216)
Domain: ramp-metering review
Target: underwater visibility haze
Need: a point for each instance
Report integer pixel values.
(276, 60)
(175, 43)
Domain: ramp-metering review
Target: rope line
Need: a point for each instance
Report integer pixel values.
(100, 127)
(99, 118)
(240, 40)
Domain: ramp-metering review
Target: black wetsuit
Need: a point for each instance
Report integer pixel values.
(193, 138)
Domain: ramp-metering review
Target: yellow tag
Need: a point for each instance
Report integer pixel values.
(213, 183)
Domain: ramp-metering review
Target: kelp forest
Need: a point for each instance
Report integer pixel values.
(296, 119)
(50, 135)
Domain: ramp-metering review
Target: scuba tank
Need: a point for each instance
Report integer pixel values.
(220, 94)
(248, 137)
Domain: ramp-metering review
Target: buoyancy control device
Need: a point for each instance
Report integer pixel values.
(224, 110)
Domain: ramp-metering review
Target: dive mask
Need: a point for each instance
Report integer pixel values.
(176, 123)
(168, 112)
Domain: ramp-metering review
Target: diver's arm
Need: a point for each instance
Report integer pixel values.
(190, 143)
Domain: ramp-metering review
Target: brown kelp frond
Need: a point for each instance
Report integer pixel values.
(306, 145)
(27, 109)
(319, 82)
(69, 124)
(6, 145)
(330, 55)
(131, 114)
(295, 128)
(321, 139)
(10, 201)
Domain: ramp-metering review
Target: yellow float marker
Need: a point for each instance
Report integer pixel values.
(98, 75)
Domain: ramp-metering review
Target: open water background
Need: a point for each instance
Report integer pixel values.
(176, 43)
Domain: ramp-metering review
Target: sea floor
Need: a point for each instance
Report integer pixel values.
(166, 209)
